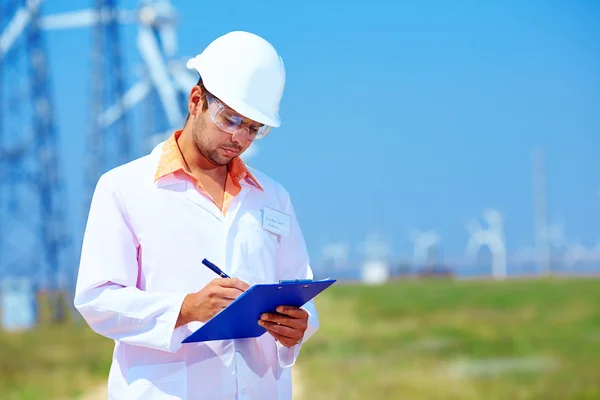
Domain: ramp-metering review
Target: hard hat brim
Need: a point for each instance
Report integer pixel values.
(238, 106)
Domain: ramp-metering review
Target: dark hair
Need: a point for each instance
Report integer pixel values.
(203, 97)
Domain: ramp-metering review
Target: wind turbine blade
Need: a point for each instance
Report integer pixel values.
(73, 19)
(431, 238)
(83, 19)
(165, 19)
(133, 96)
(493, 218)
(17, 24)
(168, 39)
(474, 243)
(150, 53)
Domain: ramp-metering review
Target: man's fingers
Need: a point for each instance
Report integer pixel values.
(286, 341)
(282, 330)
(292, 311)
(233, 283)
(277, 336)
(283, 320)
(230, 293)
(222, 303)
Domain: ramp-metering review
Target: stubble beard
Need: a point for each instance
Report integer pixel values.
(211, 155)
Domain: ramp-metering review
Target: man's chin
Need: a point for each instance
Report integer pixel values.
(220, 160)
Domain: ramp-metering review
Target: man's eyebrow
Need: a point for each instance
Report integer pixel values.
(247, 121)
(237, 114)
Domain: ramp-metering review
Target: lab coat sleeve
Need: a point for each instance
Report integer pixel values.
(106, 294)
(293, 263)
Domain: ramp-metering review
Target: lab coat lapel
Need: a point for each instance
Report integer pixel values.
(237, 201)
(193, 195)
(171, 181)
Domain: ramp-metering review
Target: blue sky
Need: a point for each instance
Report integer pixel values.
(400, 114)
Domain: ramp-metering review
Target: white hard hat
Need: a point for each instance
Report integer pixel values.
(246, 73)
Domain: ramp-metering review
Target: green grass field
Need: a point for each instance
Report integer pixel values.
(521, 339)
(526, 339)
(52, 361)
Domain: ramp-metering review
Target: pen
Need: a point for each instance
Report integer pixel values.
(214, 268)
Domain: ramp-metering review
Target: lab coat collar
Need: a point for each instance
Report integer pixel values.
(167, 180)
(178, 183)
(248, 180)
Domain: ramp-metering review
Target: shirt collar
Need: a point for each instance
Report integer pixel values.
(171, 160)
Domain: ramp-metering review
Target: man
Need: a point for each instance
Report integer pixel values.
(152, 222)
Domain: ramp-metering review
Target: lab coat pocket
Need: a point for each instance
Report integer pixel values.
(158, 381)
(260, 245)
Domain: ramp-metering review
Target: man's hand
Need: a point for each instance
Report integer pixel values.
(287, 325)
(203, 305)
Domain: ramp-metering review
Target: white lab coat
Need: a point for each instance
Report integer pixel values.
(142, 252)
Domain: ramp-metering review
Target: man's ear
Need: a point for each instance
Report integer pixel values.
(195, 101)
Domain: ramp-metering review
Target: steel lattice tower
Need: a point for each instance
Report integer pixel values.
(34, 241)
(154, 118)
(109, 144)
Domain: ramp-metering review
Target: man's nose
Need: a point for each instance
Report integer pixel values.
(241, 136)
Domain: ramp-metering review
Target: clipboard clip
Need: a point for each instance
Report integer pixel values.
(296, 281)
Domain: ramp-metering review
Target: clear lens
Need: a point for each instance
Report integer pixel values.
(227, 120)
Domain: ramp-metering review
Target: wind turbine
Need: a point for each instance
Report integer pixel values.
(492, 237)
(575, 253)
(423, 243)
(375, 266)
(336, 254)
(163, 77)
(161, 89)
(555, 235)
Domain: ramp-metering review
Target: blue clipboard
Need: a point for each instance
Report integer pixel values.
(239, 320)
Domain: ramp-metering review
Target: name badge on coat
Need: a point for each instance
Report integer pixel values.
(276, 222)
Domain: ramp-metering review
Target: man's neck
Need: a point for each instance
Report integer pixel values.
(195, 160)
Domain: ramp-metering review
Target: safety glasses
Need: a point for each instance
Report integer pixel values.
(231, 122)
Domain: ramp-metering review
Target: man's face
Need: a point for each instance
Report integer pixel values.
(216, 145)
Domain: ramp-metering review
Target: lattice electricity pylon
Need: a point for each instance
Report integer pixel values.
(168, 81)
(157, 91)
(164, 84)
(34, 240)
(108, 145)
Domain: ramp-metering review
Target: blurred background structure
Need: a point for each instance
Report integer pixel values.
(419, 139)
(34, 235)
(134, 102)
(36, 240)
